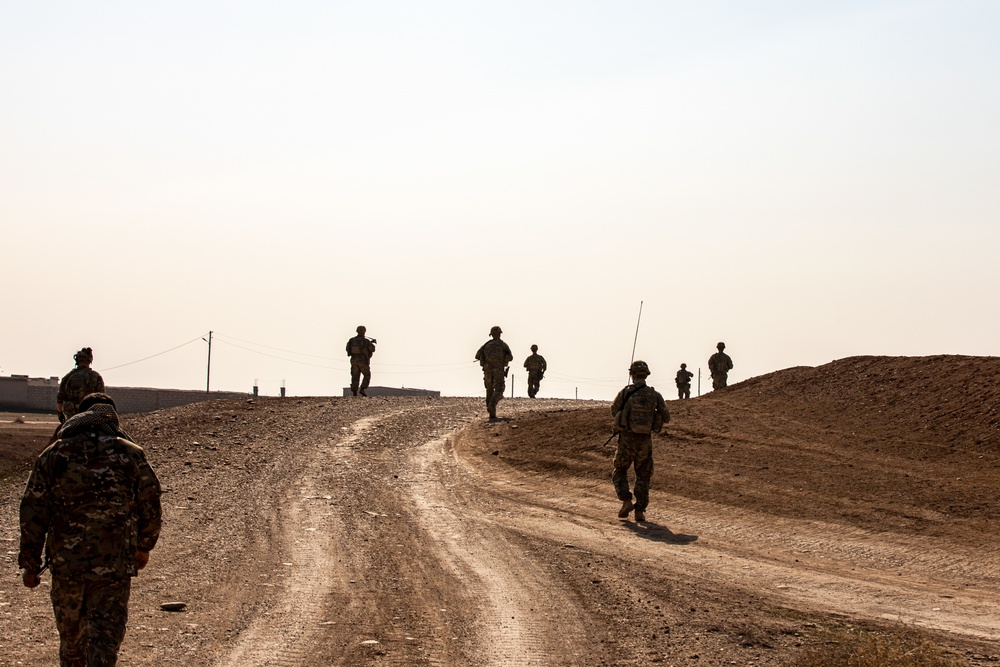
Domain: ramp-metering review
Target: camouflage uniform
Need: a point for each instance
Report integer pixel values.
(719, 365)
(683, 382)
(635, 405)
(76, 384)
(536, 370)
(95, 498)
(360, 349)
(494, 356)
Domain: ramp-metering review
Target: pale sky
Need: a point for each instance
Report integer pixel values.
(803, 180)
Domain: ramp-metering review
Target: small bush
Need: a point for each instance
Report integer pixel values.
(856, 648)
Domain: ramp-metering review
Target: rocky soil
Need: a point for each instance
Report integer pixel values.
(410, 531)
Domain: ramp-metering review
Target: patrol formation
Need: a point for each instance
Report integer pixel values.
(90, 512)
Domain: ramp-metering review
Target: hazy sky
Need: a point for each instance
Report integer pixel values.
(803, 180)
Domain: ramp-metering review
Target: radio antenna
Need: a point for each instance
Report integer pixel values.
(636, 339)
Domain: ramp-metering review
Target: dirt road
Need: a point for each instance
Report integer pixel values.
(404, 531)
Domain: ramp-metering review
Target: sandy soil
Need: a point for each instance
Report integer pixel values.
(410, 531)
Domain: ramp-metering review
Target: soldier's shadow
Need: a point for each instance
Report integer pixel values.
(648, 530)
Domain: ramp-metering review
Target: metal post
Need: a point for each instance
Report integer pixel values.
(208, 374)
(699, 380)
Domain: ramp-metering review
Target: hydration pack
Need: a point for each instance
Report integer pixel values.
(357, 345)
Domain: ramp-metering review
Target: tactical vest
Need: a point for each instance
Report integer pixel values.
(357, 345)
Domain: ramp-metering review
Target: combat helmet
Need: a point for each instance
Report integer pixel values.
(85, 354)
(361, 329)
(721, 346)
(495, 330)
(534, 348)
(638, 368)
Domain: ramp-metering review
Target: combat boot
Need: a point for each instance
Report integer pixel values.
(626, 508)
(640, 516)
(362, 392)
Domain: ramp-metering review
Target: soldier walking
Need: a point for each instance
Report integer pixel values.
(719, 365)
(93, 503)
(360, 349)
(683, 382)
(78, 383)
(536, 371)
(638, 411)
(494, 356)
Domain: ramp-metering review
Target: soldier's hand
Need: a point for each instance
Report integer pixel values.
(141, 558)
(30, 579)
(62, 417)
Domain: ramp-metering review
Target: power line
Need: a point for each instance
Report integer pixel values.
(103, 370)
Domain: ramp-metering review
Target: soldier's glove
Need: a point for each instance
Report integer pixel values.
(62, 417)
(141, 558)
(30, 579)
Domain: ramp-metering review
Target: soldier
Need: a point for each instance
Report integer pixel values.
(360, 349)
(78, 383)
(639, 411)
(683, 381)
(719, 365)
(494, 356)
(536, 370)
(95, 497)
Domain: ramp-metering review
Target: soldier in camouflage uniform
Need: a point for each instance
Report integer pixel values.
(360, 349)
(683, 382)
(536, 371)
(639, 411)
(719, 365)
(78, 383)
(494, 356)
(93, 495)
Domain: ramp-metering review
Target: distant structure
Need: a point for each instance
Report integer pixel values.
(394, 391)
(19, 392)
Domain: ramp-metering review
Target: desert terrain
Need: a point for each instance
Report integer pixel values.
(860, 495)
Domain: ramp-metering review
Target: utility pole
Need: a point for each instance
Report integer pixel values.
(208, 375)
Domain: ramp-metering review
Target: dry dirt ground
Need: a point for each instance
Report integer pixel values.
(409, 531)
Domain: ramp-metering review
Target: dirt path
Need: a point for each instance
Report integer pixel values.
(398, 532)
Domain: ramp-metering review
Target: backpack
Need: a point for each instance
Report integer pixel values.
(639, 413)
(494, 354)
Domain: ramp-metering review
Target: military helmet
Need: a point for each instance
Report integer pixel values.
(534, 348)
(639, 367)
(495, 330)
(684, 365)
(91, 400)
(361, 329)
(721, 346)
(85, 354)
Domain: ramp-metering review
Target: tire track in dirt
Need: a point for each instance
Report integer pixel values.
(283, 635)
(807, 565)
(513, 596)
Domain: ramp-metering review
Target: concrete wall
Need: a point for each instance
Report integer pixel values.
(19, 392)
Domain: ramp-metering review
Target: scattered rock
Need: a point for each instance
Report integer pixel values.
(173, 606)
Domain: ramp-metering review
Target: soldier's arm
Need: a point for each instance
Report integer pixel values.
(545, 366)
(348, 347)
(35, 517)
(510, 355)
(661, 407)
(148, 506)
(100, 382)
(479, 354)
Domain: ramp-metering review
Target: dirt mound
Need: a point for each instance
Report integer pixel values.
(877, 442)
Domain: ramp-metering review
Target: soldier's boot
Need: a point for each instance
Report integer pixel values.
(640, 516)
(354, 391)
(626, 508)
(362, 392)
